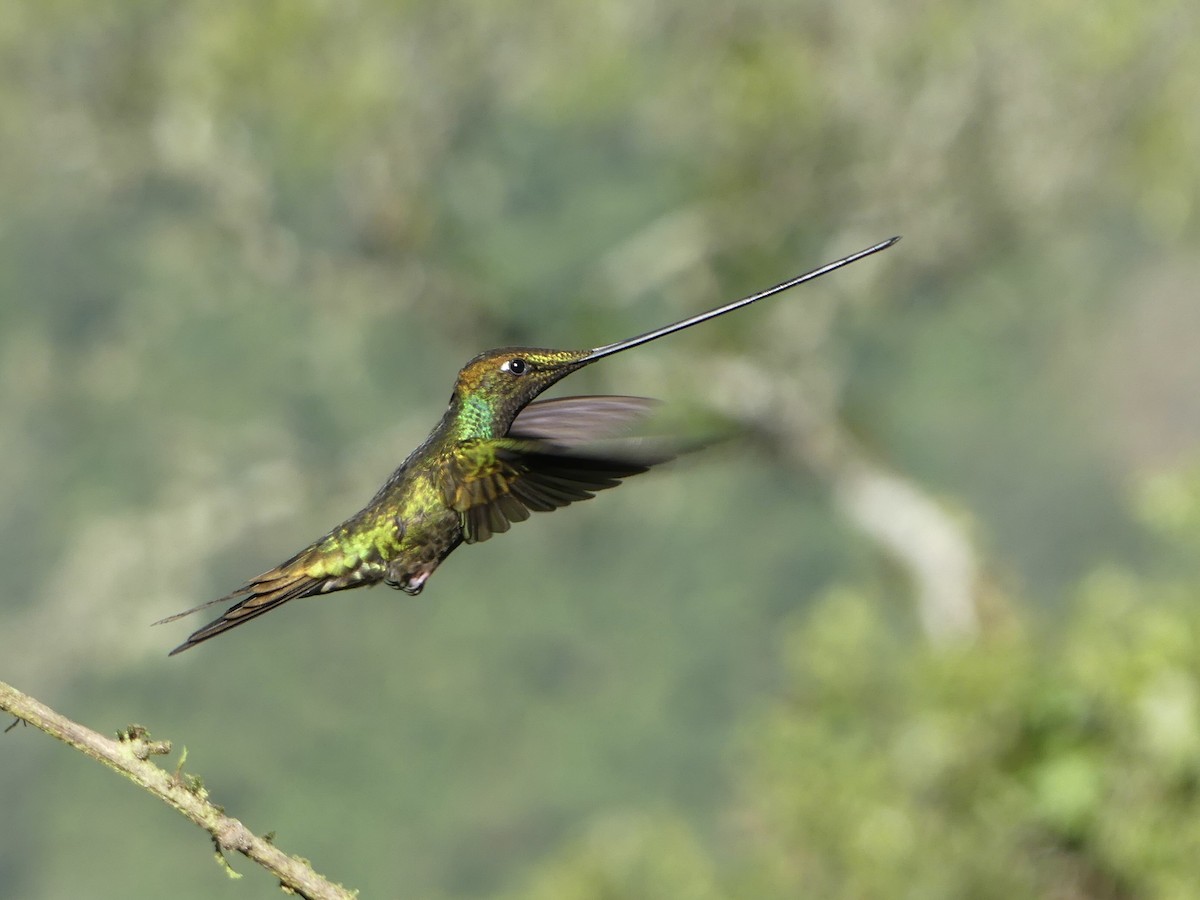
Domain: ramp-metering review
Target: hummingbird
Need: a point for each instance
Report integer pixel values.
(497, 455)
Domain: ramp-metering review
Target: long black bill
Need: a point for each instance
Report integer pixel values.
(609, 349)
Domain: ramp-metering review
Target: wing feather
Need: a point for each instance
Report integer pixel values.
(493, 483)
(572, 421)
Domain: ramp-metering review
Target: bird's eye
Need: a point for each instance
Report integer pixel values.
(516, 366)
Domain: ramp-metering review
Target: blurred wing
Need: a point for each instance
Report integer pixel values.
(571, 421)
(493, 483)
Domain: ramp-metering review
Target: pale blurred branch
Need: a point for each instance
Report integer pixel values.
(130, 755)
(915, 530)
(908, 524)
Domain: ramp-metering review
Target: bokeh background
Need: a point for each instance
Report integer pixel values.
(930, 628)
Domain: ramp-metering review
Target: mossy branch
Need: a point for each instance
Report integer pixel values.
(130, 755)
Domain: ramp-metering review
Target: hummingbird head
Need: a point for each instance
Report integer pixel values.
(496, 385)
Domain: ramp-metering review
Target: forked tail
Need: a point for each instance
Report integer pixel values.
(304, 575)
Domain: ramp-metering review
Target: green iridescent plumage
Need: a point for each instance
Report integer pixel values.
(496, 456)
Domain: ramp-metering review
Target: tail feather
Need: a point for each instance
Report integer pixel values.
(263, 596)
(304, 575)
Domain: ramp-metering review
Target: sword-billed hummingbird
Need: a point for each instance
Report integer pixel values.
(495, 456)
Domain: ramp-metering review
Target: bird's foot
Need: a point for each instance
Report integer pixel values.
(413, 583)
(409, 576)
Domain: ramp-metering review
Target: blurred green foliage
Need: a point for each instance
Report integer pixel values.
(243, 251)
(1040, 762)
